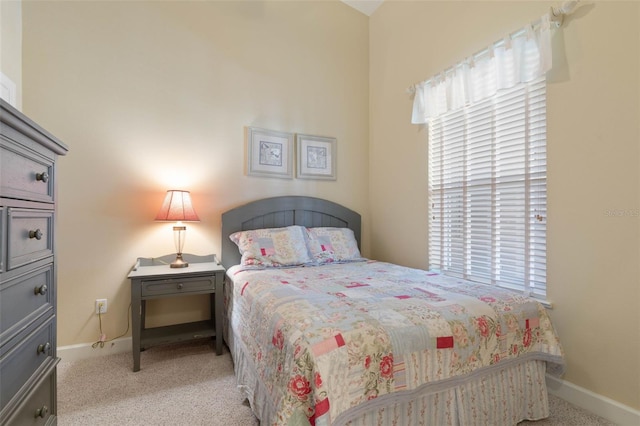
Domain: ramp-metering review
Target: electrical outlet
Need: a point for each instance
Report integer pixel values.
(101, 306)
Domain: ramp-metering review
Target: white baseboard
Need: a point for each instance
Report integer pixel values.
(599, 405)
(84, 350)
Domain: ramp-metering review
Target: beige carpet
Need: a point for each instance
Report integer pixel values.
(185, 384)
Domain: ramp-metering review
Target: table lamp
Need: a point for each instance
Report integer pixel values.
(177, 207)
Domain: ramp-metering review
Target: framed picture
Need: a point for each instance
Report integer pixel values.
(316, 157)
(270, 153)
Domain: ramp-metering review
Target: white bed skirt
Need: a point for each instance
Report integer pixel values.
(499, 397)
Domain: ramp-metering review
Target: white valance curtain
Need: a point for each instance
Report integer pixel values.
(518, 58)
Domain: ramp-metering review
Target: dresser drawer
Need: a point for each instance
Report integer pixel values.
(23, 299)
(39, 406)
(3, 239)
(25, 174)
(177, 286)
(33, 355)
(30, 236)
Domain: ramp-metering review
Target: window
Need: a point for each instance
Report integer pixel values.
(487, 190)
(487, 163)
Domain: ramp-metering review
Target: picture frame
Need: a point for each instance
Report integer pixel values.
(316, 157)
(269, 153)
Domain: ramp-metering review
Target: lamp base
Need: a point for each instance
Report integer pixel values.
(179, 262)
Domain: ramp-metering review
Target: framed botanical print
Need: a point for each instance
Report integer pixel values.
(270, 153)
(316, 157)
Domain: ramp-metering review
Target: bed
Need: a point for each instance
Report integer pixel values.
(350, 341)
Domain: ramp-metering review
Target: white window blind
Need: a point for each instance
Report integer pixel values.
(487, 162)
(487, 190)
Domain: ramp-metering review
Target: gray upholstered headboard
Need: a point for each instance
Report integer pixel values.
(277, 212)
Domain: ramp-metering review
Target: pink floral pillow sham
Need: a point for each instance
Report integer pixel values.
(272, 247)
(328, 245)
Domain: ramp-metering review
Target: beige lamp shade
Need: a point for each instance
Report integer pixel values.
(177, 207)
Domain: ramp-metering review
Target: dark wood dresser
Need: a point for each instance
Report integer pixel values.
(28, 358)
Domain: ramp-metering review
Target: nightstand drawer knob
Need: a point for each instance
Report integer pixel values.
(42, 290)
(180, 286)
(44, 176)
(43, 349)
(42, 412)
(37, 234)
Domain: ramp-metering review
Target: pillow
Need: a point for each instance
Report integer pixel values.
(328, 245)
(272, 247)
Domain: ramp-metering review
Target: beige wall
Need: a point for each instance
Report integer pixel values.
(593, 164)
(155, 95)
(11, 44)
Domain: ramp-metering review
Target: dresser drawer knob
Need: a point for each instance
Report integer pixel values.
(44, 176)
(37, 234)
(180, 286)
(44, 348)
(42, 412)
(42, 290)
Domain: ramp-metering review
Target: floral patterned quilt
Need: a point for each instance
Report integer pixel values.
(324, 339)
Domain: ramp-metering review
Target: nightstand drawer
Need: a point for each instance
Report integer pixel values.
(177, 286)
(39, 407)
(30, 235)
(23, 299)
(20, 363)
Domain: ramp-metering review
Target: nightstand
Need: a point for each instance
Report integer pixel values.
(152, 278)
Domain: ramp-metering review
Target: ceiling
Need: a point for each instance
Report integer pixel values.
(365, 6)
